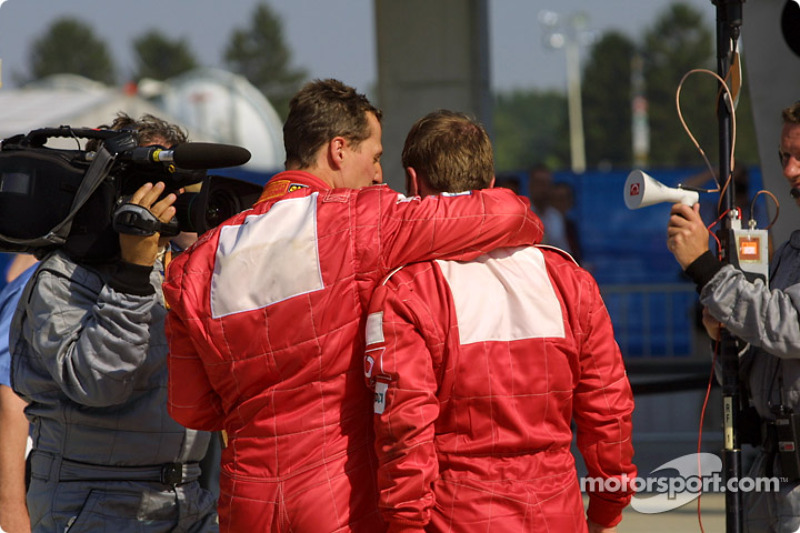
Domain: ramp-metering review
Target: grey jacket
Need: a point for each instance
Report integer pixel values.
(91, 362)
(768, 319)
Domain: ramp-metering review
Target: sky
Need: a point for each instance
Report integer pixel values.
(328, 39)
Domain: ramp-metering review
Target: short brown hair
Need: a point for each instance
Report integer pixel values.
(451, 151)
(320, 111)
(791, 114)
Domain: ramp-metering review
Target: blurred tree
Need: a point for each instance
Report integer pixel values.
(530, 127)
(160, 58)
(259, 54)
(606, 94)
(69, 46)
(677, 43)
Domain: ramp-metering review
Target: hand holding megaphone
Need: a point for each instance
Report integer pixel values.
(642, 190)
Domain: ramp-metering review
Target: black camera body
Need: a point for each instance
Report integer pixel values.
(55, 198)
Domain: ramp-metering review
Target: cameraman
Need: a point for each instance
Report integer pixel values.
(766, 318)
(89, 356)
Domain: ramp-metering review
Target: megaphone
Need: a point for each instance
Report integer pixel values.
(642, 190)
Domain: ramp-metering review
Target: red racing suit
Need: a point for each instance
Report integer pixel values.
(478, 369)
(265, 332)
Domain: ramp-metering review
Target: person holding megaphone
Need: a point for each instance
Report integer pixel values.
(766, 317)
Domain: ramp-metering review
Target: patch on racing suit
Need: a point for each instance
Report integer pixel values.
(374, 329)
(375, 340)
(281, 241)
(278, 188)
(369, 364)
(381, 388)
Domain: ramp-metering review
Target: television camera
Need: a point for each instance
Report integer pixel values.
(77, 199)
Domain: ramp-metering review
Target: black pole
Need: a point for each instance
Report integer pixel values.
(729, 22)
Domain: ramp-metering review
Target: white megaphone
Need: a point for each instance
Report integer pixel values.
(642, 190)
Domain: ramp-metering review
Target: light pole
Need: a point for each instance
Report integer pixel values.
(570, 34)
(640, 130)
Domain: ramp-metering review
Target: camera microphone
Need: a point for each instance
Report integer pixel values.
(196, 156)
(193, 156)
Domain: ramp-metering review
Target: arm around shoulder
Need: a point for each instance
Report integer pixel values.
(446, 226)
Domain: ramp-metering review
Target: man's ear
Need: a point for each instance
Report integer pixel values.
(336, 151)
(412, 182)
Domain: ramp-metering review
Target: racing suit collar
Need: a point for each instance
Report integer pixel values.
(289, 181)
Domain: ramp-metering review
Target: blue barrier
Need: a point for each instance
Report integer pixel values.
(651, 302)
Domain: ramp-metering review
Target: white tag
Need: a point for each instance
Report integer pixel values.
(374, 328)
(380, 396)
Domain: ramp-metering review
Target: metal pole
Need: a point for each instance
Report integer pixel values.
(640, 131)
(576, 142)
(729, 20)
(570, 39)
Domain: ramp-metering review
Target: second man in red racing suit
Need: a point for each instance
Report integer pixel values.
(478, 370)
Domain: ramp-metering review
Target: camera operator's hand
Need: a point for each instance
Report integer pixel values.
(143, 250)
(687, 235)
(712, 325)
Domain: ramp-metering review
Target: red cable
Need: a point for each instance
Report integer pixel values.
(700, 431)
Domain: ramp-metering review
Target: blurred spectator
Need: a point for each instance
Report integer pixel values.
(562, 197)
(19, 264)
(540, 183)
(508, 181)
(14, 441)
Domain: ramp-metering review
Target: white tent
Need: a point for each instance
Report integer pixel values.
(227, 108)
(212, 105)
(67, 99)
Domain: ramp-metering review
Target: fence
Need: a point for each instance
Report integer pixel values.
(653, 320)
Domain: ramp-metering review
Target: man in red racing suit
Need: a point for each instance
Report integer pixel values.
(478, 369)
(267, 313)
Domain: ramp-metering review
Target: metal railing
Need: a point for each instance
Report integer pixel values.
(653, 320)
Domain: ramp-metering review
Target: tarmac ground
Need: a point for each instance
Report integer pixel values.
(681, 520)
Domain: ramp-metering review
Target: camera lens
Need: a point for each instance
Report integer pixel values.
(185, 207)
(221, 206)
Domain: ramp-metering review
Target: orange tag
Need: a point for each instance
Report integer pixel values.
(750, 249)
(274, 189)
